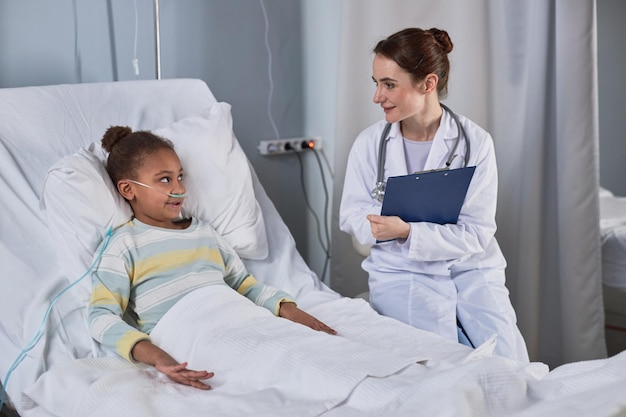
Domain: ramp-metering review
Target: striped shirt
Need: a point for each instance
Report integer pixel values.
(145, 270)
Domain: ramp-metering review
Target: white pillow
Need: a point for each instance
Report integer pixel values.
(218, 179)
(82, 203)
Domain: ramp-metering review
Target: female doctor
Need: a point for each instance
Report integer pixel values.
(448, 279)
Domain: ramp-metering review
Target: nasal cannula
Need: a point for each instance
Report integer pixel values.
(179, 195)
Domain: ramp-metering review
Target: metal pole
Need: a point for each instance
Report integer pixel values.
(157, 38)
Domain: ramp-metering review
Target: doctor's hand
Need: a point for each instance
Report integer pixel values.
(291, 312)
(388, 227)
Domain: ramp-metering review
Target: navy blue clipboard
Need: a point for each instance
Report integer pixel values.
(431, 196)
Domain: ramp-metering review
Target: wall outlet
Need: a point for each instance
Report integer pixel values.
(283, 146)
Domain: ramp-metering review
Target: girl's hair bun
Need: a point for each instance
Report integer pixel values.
(113, 135)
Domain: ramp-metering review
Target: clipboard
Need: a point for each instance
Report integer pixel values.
(430, 196)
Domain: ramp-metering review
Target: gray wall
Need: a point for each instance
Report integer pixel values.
(219, 41)
(612, 93)
(223, 42)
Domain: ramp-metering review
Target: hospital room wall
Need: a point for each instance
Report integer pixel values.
(220, 41)
(612, 94)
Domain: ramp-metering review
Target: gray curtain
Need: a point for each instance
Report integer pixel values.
(544, 114)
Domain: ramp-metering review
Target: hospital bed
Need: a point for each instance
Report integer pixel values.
(58, 204)
(613, 233)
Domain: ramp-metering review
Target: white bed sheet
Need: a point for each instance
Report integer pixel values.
(277, 368)
(375, 367)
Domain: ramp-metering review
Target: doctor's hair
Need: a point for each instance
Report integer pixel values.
(420, 52)
(128, 150)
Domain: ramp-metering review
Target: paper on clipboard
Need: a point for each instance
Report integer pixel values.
(431, 196)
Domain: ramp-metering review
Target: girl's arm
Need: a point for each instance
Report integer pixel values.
(277, 301)
(291, 312)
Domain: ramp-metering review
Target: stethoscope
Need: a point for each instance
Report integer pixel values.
(378, 193)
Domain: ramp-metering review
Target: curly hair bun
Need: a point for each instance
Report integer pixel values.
(113, 135)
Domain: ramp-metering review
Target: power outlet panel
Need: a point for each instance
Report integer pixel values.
(283, 146)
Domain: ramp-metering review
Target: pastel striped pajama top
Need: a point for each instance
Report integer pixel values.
(145, 270)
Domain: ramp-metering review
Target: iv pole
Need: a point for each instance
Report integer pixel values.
(157, 39)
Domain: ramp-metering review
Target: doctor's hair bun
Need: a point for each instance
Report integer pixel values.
(443, 39)
(113, 135)
(420, 52)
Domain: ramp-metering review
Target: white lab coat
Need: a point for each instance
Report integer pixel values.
(440, 272)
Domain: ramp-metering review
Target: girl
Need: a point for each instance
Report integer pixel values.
(157, 258)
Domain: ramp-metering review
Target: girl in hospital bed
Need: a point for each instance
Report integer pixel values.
(156, 258)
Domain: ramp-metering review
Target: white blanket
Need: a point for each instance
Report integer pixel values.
(263, 365)
(268, 366)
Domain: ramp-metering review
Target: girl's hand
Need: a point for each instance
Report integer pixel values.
(145, 351)
(388, 227)
(291, 312)
(178, 372)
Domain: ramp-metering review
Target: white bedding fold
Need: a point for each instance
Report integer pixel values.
(252, 351)
(269, 366)
(264, 365)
